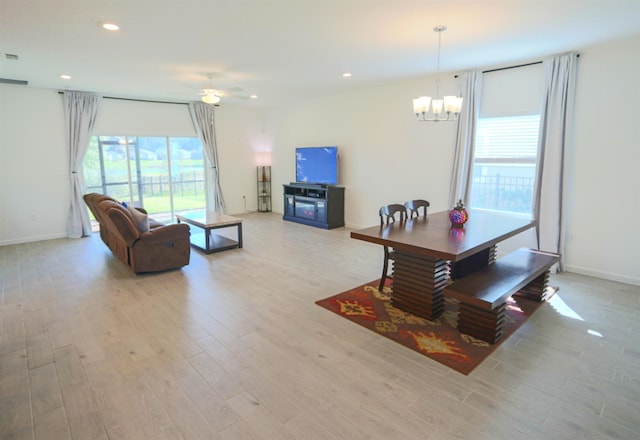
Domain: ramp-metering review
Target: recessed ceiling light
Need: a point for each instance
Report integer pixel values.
(110, 26)
(346, 75)
(65, 76)
(253, 96)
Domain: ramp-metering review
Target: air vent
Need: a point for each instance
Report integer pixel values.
(18, 82)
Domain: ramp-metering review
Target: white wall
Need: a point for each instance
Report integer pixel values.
(385, 156)
(604, 238)
(34, 183)
(241, 134)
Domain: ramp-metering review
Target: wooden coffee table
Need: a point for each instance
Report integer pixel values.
(206, 240)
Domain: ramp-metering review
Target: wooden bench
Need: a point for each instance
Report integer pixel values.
(483, 294)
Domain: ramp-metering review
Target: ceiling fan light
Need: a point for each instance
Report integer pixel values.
(210, 98)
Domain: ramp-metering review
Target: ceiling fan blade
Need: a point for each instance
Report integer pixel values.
(239, 96)
(233, 92)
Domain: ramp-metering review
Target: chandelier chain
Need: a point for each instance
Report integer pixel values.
(438, 29)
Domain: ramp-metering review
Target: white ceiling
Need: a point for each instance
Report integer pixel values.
(286, 49)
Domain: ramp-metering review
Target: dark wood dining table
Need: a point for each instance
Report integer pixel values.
(429, 252)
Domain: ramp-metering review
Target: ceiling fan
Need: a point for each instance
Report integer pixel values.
(211, 95)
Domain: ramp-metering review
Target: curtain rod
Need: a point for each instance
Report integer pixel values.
(146, 100)
(139, 100)
(508, 67)
(512, 67)
(519, 65)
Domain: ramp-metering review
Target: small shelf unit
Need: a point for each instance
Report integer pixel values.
(264, 188)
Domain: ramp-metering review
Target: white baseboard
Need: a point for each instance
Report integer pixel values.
(22, 240)
(604, 275)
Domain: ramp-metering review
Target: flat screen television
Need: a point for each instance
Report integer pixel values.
(317, 165)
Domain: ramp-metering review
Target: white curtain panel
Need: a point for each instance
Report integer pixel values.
(80, 111)
(554, 143)
(465, 137)
(203, 116)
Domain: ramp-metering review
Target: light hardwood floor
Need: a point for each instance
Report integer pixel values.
(233, 347)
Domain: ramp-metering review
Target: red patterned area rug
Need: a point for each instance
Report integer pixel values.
(439, 340)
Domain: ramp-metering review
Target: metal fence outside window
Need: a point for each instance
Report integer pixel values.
(190, 183)
(502, 193)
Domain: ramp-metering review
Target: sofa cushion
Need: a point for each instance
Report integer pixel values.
(141, 219)
(153, 223)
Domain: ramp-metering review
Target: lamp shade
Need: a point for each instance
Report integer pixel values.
(437, 106)
(452, 104)
(421, 104)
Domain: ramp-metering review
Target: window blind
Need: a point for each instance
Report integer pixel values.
(513, 137)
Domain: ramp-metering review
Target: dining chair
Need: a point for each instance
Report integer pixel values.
(388, 214)
(413, 207)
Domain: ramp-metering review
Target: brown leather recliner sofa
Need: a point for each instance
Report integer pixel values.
(142, 243)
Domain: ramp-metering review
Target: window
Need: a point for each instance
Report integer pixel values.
(506, 139)
(504, 169)
(164, 175)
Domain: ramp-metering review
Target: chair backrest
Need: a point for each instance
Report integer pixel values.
(388, 213)
(413, 206)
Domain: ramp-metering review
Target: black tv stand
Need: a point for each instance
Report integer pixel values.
(313, 204)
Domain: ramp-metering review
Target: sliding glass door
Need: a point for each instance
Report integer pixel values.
(164, 175)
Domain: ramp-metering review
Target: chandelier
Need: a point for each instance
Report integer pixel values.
(450, 104)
